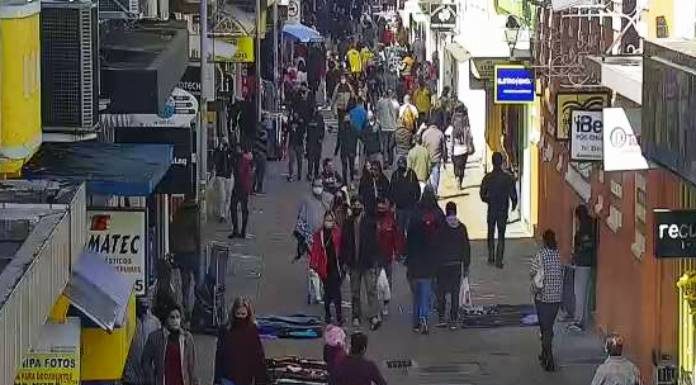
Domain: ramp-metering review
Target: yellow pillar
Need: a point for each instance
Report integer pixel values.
(20, 85)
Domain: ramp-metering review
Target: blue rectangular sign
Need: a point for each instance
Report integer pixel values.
(514, 84)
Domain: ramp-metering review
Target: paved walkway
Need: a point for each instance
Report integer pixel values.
(502, 356)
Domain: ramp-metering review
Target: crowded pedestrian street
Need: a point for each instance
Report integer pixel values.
(347, 192)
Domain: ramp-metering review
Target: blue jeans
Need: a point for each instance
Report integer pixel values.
(422, 291)
(435, 176)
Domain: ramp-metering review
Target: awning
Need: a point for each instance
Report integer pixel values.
(108, 169)
(458, 52)
(623, 75)
(302, 33)
(99, 291)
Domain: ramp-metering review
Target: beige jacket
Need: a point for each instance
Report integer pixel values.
(154, 354)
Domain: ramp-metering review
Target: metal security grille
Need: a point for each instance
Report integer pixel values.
(69, 62)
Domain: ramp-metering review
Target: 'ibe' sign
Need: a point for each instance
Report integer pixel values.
(587, 135)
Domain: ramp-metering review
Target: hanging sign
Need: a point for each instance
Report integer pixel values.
(586, 135)
(622, 152)
(119, 236)
(675, 233)
(514, 84)
(294, 12)
(245, 49)
(55, 359)
(567, 102)
(443, 16)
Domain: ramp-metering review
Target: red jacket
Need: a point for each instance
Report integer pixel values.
(318, 260)
(390, 237)
(244, 176)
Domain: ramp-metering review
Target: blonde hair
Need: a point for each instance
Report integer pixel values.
(242, 302)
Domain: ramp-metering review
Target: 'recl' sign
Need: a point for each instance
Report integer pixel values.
(119, 236)
(675, 233)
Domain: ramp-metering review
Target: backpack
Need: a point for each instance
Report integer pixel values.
(409, 119)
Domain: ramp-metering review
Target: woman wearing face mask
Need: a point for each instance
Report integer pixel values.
(169, 356)
(240, 359)
(324, 258)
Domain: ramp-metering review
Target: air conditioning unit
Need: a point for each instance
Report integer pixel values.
(120, 9)
(69, 65)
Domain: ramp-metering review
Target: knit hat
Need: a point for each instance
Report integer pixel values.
(335, 336)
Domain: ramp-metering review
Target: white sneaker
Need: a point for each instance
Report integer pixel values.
(385, 312)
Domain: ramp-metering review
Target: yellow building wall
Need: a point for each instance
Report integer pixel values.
(104, 354)
(20, 86)
(657, 8)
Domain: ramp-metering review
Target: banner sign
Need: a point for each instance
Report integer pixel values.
(567, 102)
(675, 233)
(245, 49)
(294, 12)
(622, 152)
(587, 135)
(55, 359)
(514, 84)
(443, 16)
(119, 236)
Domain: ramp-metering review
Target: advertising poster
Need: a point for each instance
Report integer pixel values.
(587, 135)
(567, 102)
(56, 358)
(514, 85)
(119, 236)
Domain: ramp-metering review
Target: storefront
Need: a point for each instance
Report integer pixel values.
(126, 234)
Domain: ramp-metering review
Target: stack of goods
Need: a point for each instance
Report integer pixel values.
(491, 316)
(297, 371)
(298, 326)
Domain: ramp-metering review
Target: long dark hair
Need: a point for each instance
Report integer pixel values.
(550, 240)
(460, 122)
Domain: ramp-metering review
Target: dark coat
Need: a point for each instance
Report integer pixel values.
(347, 142)
(498, 190)
(404, 190)
(368, 255)
(420, 246)
(240, 357)
(453, 247)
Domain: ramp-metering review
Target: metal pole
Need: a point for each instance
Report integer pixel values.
(203, 130)
(276, 94)
(257, 48)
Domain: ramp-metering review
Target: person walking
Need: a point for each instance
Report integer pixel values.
(224, 178)
(547, 287)
(239, 358)
(356, 369)
(404, 193)
(310, 216)
(340, 98)
(403, 141)
(387, 110)
(330, 177)
(420, 263)
(408, 115)
(373, 185)
(362, 256)
(169, 356)
(421, 97)
(391, 242)
(584, 261)
(185, 245)
(498, 191)
(260, 159)
(354, 60)
(434, 142)
(461, 144)
(346, 145)
(616, 369)
(145, 324)
(371, 139)
(419, 161)
(454, 257)
(324, 258)
(296, 144)
(315, 138)
(244, 175)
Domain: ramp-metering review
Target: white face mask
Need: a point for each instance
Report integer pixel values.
(174, 321)
(317, 190)
(343, 81)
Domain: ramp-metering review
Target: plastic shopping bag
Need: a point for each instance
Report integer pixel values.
(315, 289)
(383, 291)
(465, 294)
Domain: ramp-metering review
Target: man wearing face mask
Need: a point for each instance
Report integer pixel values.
(169, 357)
(341, 97)
(404, 192)
(146, 324)
(453, 260)
(310, 216)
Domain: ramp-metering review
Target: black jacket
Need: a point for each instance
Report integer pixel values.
(420, 244)
(223, 162)
(315, 135)
(404, 190)
(347, 142)
(584, 246)
(367, 187)
(371, 139)
(498, 190)
(453, 247)
(368, 255)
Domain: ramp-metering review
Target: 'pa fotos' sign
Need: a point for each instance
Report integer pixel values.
(587, 135)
